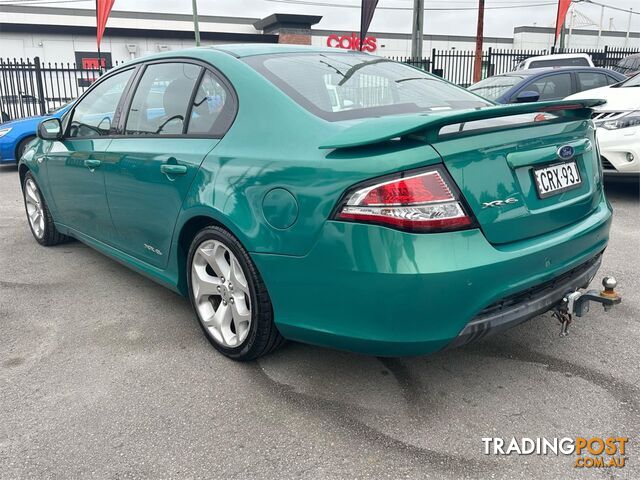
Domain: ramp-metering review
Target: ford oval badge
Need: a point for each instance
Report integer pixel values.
(566, 152)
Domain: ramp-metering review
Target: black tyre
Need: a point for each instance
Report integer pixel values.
(38, 215)
(22, 147)
(229, 297)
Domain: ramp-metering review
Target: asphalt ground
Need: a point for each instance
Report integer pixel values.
(105, 374)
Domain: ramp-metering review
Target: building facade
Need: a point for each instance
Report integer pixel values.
(67, 35)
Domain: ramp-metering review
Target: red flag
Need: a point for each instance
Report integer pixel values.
(103, 9)
(366, 15)
(563, 7)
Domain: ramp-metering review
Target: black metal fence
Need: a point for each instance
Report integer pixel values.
(29, 87)
(457, 65)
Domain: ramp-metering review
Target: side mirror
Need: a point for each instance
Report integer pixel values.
(50, 129)
(527, 96)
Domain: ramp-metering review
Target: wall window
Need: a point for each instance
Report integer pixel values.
(93, 116)
(213, 108)
(161, 101)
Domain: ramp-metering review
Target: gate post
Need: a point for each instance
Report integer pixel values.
(39, 84)
(489, 71)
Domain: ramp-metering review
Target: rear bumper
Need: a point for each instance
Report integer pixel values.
(384, 292)
(523, 306)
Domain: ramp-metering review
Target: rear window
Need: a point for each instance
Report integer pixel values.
(561, 62)
(346, 85)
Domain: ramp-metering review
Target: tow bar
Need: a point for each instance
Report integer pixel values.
(577, 303)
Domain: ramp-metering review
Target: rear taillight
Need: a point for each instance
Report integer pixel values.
(425, 201)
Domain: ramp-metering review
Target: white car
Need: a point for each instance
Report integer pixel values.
(618, 126)
(557, 60)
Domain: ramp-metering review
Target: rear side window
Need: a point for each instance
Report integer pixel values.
(589, 80)
(213, 107)
(161, 101)
(552, 87)
(560, 62)
(93, 115)
(339, 86)
(612, 80)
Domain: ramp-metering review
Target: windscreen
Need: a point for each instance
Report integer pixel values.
(494, 87)
(632, 82)
(346, 85)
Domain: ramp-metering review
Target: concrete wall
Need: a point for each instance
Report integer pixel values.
(542, 38)
(61, 47)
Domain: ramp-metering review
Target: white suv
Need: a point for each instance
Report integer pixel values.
(557, 60)
(618, 126)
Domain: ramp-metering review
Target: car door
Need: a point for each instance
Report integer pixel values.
(74, 164)
(176, 115)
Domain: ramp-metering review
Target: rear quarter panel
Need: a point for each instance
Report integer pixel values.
(273, 143)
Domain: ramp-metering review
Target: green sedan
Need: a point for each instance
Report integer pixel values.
(334, 198)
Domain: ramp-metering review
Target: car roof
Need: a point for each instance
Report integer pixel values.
(560, 55)
(249, 49)
(238, 50)
(538, 71)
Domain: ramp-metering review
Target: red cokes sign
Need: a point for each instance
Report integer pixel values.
(351, 42)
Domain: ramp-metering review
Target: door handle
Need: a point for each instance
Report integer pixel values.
(92, 163)
(168, 169)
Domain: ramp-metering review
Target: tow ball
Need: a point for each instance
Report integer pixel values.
(577, 303)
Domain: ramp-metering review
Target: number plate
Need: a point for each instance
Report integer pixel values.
(556, 178)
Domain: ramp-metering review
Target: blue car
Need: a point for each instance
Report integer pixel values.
(15, 135)
(543, 84)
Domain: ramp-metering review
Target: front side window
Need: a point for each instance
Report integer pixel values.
(93, 116)
(337, 86)
(552, 87)
(161, 100)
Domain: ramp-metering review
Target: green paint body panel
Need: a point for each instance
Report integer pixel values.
(78, 191)
(344, 285)
(483, 172)
(384, 292)
(145, 202)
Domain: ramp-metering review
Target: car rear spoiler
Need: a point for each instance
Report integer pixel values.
(381, 129)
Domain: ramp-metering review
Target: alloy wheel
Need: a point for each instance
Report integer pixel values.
(221, 293)
(35, 210)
